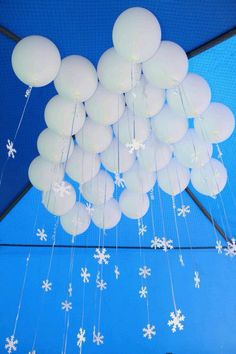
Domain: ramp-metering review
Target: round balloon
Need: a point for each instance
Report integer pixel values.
(94, 137)
(168, 126)
(116, 158)
(193, 151)
(216, 124)
(105, 107)
(191, 98)
(76, 221)
(36, 61)
(108, 215)
(174, 178)
(144, 99)
(82, 166)
(139, 180)
(133, 205)
(64, 116)
(116, 74)
(54, 147)
(136, 34)
(155, 156)
(164, 72)
(209, 179)
(99, 189)
(76, 79)
(60, 198)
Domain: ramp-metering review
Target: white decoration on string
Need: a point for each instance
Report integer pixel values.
(11, 150)
(97, 338)
(70, 290)
(33, 352)
(156, 243)
(197, 280)
(85, 275)
(101, 284)
(27, 94)
(161, 243)
(101, 256)
(144, 272)
(231, 248)
(90, 209)
(220, 153)
(219, 246)
(135, 145)
(119, 181)
(181, 260)
(183, 211)
(11, 344)
(149, 331)
(47, 286)
(117, 272)
(175, 322)
(41, 234)
(62, 188)
(142, 229)
(67, 306)
(81, 337)
(152, 197)
(143, 292)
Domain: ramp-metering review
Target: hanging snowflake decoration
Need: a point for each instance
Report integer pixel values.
(143, 292)
(183, 211)
(85, 275)
(47, 286)
(175, 322)
(144, 272)
(101, 284)
(156, 243)
(181, 260)
(97, 338)
(90, 209)
(161, 243)
(42, 235)
(70, 290)
(142, 229)
(81, 337)
(11, 344)
(62, 188)
(11, 151)
(231, 248)
(101, 256)
(119, 181)
(117, 272)
(219, 246)
(152, 194)
(67, 306)
(149, 331)
(135, 145)
(197, 280)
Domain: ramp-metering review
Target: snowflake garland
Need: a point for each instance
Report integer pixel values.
(117, 272)
(70, 290)
(62, 189)
(142, 229)
(219, 246)
(11, 151)
(85, 275)
(197, 280)
(181, 260)
(41, 234)
(47, 286)
(11, 344)
(98, 339)
(175, 322)
(231, 248)
(101, 256)
(145, 272)
(101, 284)
(143, 292)
(135, 145)
(183, 211)
(67, 306)
(149, 331)
(158, 242)
(119, 181)
(81, 337)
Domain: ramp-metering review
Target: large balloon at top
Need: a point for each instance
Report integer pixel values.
(117, 74)
(136, 34)
(168, 67)
(76, 221)
(191, 97)
(133, 205)
(76, 79)
(216, 124)
(36, 61)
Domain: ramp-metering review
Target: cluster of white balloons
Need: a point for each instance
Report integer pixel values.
(129, 116)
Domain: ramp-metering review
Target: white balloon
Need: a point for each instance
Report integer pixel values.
(116, 74)
(191, 98)
(136, 34)
(105, 107)
(216, 124)
(54, 147)
(77, 78)
(130, 127)
(82, 166)
(193, 151)
(36, 61)
(139, 180)
(64, 116)
(99, 189)
(60, 198)
(174, 178)
(43, 174)
(155, 156)
(76, 221)
(133, 205)
(116, 158)
(94, 137)
(168, 126)
(144, 99)
(209, 179)
(108, 215)
(168, 67)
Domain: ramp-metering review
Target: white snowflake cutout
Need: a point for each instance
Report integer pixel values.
(62, 188)
(149, 331)
(117, 272)
(41, 234)
(161, 243)
(135, 145)
(97, 338)
(231, 248)
(143, 292)
(101, 284)
(119, 181)
(81, 337)
(11, 150)
(67, 306)
(197, 280)
(101, 256)
(183, 211)
(11, 344)
(142, 229)
(47, 286)
(219, 246)
(85, 275)
(144, 272)
(175, 322)
(156, 243)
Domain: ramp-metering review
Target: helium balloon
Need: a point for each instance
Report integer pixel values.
(116, 74)
(105, 107)
(216, 124)
(168, 67)
(133, 205)
(43, 174)
(108, 215)
(76, 221)
(36, 61)
(209, 179)
(138, 180)
(193, 151)
(82, 166)
(99, 189)
(155, 156)
(191, 98)
(174, 178)
(54, 147)
(60, 198)
(116, 158)
(144, 99)
(168, 126)
(76, 79)
(130, 127)
(64, 116)
(136, 34)
(94, 137)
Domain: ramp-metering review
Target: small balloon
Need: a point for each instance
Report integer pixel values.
(108, 215)
(133, 205)
(76, 221)
(138, 180)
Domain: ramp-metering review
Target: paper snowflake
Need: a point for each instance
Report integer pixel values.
(119, 181)
(11, 151)
(90, 209)
(143, 292)
(101, 284)
(135, 145)
(67, 306)
(41, 234)
(85, 275)
(149, 331)
(183, 211)
(156, 243)
(70, 290)
(117, 272)
(142, 229)
(11, 344)
(46, 285)
(97, 338)
(161, 243)
(231, 248)
(62, 189)
(196, 280)
(181, 260)
(145, 272)
(101, 256)
(219, 246)
(175, 322)
(81, 337)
